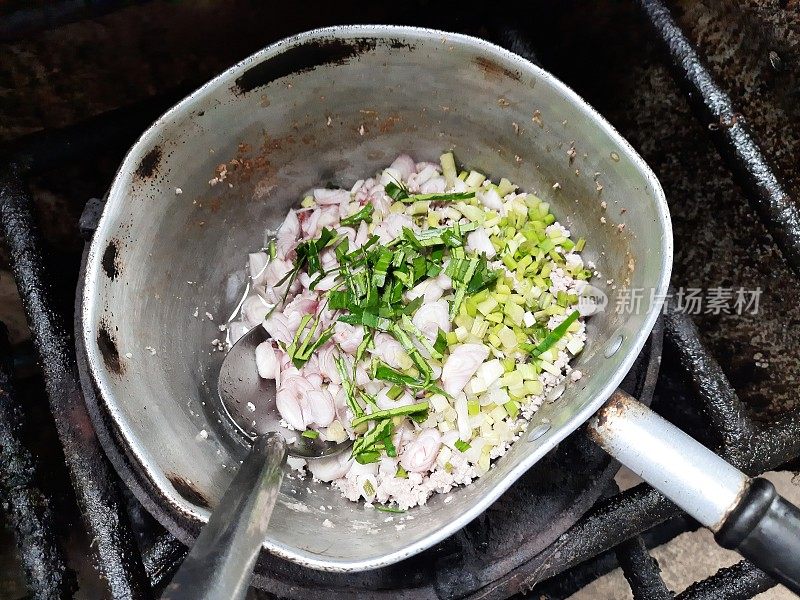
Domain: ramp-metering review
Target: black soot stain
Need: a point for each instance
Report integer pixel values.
(149, 163)
(396, 44)
(300, 59)
(188, 491)
(111, 260)
(108, 350)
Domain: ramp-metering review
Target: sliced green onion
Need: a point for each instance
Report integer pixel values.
(369, 439)
(409, 327)
(365, 214)
(462, 446)
(395, 392)
(474, 179)
(512, 408)
(461, 289)
(388, 509)
(367, 457)
(412, 351)
(449, 197)
(362, 347)
(388, 446)
(347, 384)
(392, 412)
(440, 345)
(448, 167)
(555, 335)
(310, 434)
(505, 187)
(396, 191)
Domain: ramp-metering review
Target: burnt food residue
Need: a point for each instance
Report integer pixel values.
(492, 68)
(111, 260)
(108, 350)
(149, 163)
(188, 491)
(300, 59)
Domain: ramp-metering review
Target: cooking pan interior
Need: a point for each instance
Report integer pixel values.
(197, 191)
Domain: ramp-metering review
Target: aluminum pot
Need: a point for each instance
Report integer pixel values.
(198, 189)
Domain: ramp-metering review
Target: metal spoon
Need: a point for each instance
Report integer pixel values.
(220, 563)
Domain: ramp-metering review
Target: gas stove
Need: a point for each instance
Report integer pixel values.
(71, 488)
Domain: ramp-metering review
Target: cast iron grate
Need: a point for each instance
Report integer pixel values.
(617, 529)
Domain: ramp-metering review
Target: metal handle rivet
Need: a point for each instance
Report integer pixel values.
(556, 393)
(538, 431)
(613, 346)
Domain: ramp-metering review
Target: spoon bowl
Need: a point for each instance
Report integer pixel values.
(221, 561)
(249, 400)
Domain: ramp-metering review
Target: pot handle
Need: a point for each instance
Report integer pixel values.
(745, 514)
(221, 561)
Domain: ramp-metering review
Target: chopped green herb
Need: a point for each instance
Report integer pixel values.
(368, 319)
(347, 384)
(482, 278)
(388, 509)
(382, 266)
(386, 373)
(308, 252)
(391, 412)
(396, 191)
(555, 335)
(370, 456)
(367, 398)
(367, 442)
(307, 256)
(365, 214)
(443, 236)
(416, 356)
(362, 347)
(450, 197)
(461, 287)
(388, 447)
(440, 345)
(300, 351)
(310, 434)
(419, 417)
(412, 329)
(394, 392)
(462, 446)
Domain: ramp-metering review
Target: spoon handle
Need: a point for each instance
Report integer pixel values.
(222, 558)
